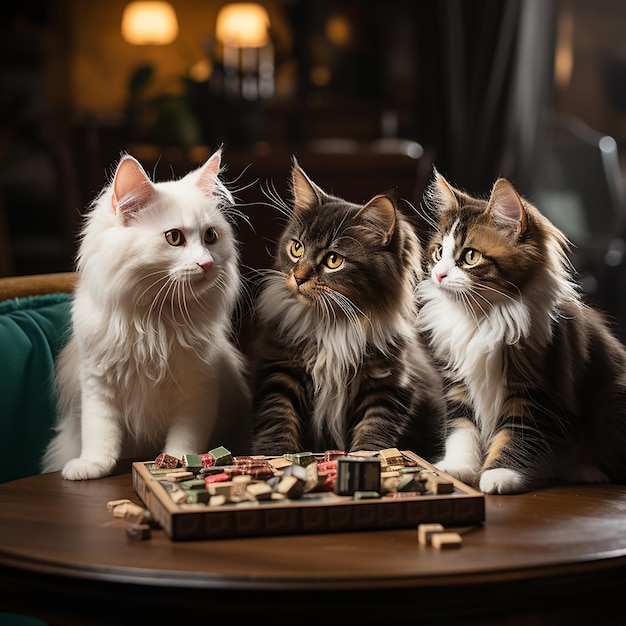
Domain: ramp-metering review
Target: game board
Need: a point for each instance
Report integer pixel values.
(292, 502)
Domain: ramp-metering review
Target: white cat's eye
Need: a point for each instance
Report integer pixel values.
(210, 236)
(437, 253)
(471, 256)
(175, 237)
(296, 249)
(333, 260)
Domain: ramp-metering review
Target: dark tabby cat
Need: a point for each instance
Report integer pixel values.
(340, 362)
(536, 382)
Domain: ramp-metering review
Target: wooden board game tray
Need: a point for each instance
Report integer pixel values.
(317, 512)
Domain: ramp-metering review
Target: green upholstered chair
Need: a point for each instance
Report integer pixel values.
(34, 325)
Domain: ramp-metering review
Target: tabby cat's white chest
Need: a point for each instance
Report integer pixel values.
(471, 350)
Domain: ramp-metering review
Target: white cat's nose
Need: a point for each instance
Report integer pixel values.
(206, 266)
(440, 276)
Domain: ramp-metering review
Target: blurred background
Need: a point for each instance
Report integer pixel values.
(368, 95)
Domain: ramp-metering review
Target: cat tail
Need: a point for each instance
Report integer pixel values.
(233, 428)
(66, 442)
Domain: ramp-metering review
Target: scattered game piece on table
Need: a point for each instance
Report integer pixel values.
(446, 540)
(302, 492)
(426, 531)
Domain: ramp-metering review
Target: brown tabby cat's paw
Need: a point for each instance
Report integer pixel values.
(502, 481)
(84, 469)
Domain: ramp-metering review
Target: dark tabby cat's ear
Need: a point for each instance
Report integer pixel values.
(305, 191)
(132, 188)
(208, 173)
(380, 214)
(507, 207)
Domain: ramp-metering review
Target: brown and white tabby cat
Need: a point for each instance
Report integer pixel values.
(151, 364)
(340, 363)
(536, 382)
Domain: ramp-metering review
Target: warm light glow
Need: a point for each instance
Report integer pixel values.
(149, 23)
(564, 55)
(243, 24)
(201, 70)
(338, 30)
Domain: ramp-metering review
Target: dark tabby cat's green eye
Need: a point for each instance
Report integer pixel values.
(296, 249)
(437, 253)
(471, 256)
(210, 236)
(333, 260)
(175, 237)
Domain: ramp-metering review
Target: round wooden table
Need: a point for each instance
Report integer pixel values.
(555, 554)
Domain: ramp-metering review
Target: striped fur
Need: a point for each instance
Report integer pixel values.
(339, 361)
(535, 381)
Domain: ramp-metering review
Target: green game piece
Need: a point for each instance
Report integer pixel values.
(222, 456)
(192, 461)
(366, 495)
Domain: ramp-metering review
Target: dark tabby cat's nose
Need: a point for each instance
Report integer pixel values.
(301, 274)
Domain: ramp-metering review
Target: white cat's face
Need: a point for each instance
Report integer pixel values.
(151, 243)
(183, 235)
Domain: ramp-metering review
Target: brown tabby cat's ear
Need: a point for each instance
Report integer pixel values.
(507, 207)
(380, 212)
(305, 191)
(441, 193)
(132, 188)
(208, 173)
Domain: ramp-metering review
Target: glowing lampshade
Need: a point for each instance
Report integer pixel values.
(149, 23)
(243, 24)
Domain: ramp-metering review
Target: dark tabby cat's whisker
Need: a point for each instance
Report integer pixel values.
(350, 310)
(276, 200)
(232, 183)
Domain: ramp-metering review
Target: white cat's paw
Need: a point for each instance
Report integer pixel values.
(85, 469)
(502, 481)
(463, 471)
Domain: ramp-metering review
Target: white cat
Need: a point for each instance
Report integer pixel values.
(151, 365)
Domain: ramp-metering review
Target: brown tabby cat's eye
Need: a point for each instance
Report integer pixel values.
(471, 256)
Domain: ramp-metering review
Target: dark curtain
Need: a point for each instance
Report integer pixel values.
(486, 74)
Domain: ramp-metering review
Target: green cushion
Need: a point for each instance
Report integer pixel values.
(32, 332)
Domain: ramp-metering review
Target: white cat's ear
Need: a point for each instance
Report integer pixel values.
(507, 207)
(208, 173)
(305, 191)
(132, 188)
(380, 212)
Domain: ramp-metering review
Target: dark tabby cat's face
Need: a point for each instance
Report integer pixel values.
(339, 258)
(485, 251)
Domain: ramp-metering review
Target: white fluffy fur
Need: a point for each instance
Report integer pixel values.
(150, 365)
